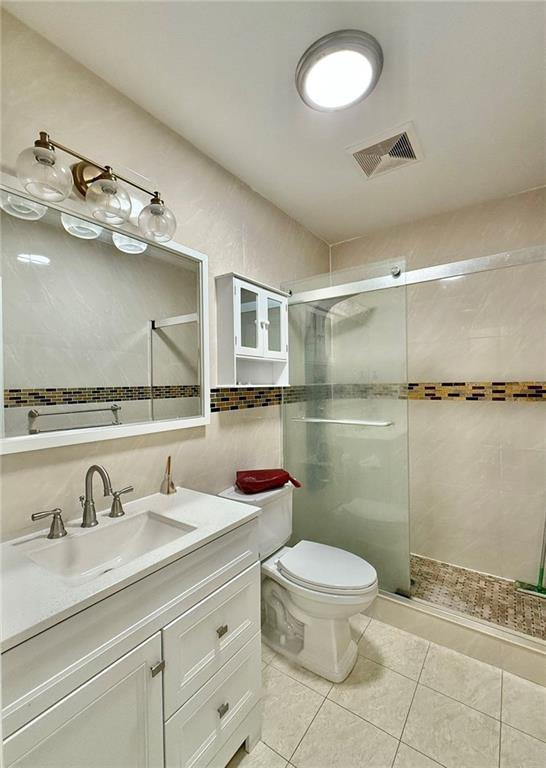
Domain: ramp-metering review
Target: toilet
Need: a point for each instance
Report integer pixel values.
(309, 591)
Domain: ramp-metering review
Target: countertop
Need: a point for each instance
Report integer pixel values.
(34, 599)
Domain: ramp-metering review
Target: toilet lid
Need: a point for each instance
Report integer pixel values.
(319, 566)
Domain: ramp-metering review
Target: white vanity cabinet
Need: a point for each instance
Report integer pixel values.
(164, 673)
(252, 332)
(112, 721)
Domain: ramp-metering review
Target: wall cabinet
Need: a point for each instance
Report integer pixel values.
(178, 685)
(252, 332)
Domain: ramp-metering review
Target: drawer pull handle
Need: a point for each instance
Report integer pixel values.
(221, 631)
(222, 709)
(157, 668)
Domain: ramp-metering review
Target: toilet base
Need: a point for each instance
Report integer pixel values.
(336, 672)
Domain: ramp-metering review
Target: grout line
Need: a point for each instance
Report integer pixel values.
(409, 710)
(396, 672)
(369, 722)
(282, 671)
(306, 730)
(434, 759)
(413, 697)
(458, 701)
(275, 751)
(525, 733)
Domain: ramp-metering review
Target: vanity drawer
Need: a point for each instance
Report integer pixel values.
(201, 641)
(199, 729)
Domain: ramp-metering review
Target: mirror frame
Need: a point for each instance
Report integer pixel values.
(21, 443)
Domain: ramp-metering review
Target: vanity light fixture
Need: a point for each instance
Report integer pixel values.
(157, 222)
(44, 177)
(85, 230)
(128, 244)
(339, 70)
(41, 173)
(107, 199)
(20, 207)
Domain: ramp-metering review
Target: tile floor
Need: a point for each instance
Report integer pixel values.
(408, 703)
(484, 597)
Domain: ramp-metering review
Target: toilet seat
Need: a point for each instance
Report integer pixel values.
(326, 569)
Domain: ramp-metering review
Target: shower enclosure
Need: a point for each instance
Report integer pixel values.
(416, 422)
(345, 429)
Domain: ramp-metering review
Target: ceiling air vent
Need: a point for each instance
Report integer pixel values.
(387, 154)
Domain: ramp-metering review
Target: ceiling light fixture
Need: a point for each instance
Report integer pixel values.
(339, 70)
(41, 174)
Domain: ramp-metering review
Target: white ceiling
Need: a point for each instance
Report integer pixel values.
(469, 75)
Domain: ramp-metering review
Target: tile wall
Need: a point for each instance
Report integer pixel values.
(216, 213)
(477, 469)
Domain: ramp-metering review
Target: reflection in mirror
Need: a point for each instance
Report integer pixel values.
(95, 333)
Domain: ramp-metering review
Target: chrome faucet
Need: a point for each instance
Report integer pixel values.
(87, 501)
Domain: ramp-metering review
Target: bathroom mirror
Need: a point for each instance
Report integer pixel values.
(104, 333)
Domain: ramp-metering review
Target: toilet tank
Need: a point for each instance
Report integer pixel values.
(275, 521)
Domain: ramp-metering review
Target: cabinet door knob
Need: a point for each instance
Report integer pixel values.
(222, 709)
(221, 631)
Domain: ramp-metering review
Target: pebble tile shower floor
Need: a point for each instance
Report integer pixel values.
(408, 703)
(478, 595)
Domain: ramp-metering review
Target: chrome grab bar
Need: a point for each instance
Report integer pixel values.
(350, 422)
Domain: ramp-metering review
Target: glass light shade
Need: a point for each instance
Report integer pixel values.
(157, 222)
(128, 244)
(42, 175)
(108, 201)
(339, 69)
(338, 79)
(85, 230)
(21, 208)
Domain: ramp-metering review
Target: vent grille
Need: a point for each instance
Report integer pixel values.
(386, 155)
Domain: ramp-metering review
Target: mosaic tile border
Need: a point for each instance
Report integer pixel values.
(478, 390)
(239, 398)
(480, 595)
(17, 398)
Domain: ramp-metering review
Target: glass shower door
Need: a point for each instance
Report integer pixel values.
(345, 417)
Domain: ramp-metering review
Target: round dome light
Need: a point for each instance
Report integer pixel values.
(339, 69)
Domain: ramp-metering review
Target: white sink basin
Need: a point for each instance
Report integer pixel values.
(89, 553)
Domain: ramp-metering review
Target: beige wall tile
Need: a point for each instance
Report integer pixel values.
(43, 88)
(479, 230)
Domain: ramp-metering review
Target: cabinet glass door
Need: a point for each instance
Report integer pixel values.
(248, 337)
(275, 344)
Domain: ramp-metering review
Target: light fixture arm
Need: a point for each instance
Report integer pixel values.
(46, 140)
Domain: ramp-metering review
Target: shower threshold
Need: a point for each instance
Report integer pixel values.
(479, 595)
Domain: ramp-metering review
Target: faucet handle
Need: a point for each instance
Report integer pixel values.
(123, 490)
(116, 510)
(57, 529)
